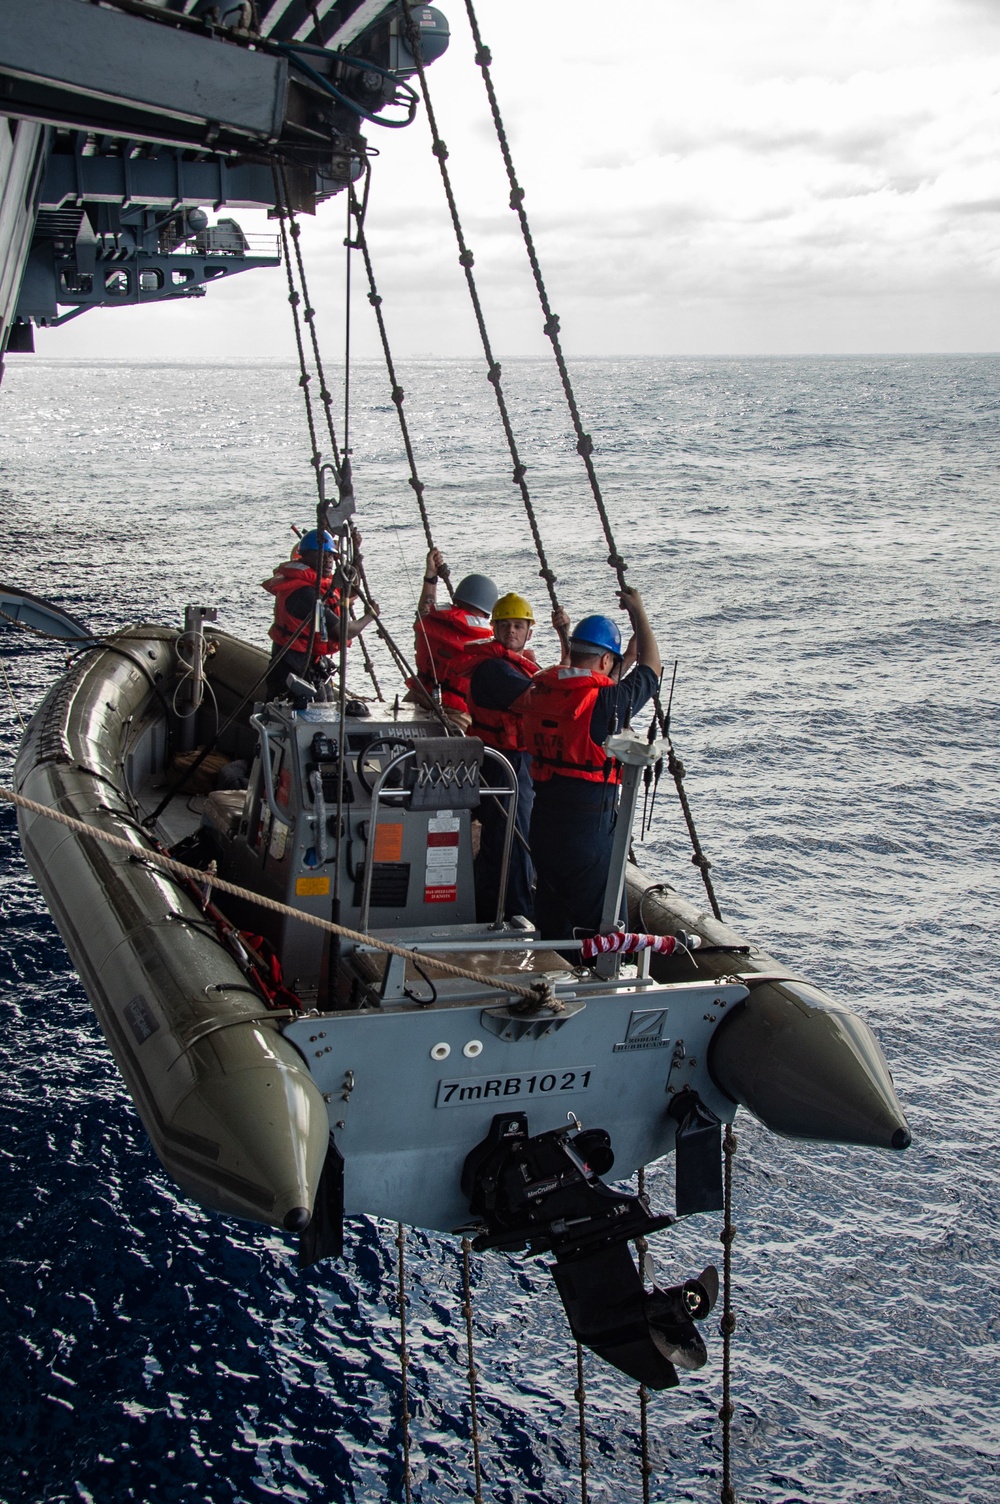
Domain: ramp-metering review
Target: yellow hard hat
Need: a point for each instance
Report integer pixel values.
(513, 607)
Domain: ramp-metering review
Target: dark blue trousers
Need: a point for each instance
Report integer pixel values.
(571, 840)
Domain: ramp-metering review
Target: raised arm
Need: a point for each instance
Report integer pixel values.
(428, 593)
(562, 624)
(646, 650)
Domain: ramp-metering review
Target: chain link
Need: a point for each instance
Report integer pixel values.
(294, 299)
(550, 328)
(309, 317)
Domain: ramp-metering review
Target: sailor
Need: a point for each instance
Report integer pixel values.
(298, 648)
(443, 632)
(491, 676)
(568, 713)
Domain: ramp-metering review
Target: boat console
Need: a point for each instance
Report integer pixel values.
(405, 795)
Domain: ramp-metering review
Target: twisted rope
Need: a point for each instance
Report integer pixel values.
(473, 1383)
(397, 392)
(541, 991)
(550, 328)
(404, 1361)
(466, 261)
(584, 442)
(727, 1325)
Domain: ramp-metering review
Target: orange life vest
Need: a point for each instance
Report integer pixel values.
(502, 729)
(441, 636)
(288, 629)
(555, 713)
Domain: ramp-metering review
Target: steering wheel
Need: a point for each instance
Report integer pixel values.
(375, 758)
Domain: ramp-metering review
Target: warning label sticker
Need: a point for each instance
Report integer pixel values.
(441, 894)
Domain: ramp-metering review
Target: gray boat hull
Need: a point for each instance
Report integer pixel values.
(245, 1105)
(226, 1100)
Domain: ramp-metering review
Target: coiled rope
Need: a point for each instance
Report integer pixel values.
(539, 993)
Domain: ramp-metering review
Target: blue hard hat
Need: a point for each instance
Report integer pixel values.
(310, 542)
(598, 632)
(477, 591)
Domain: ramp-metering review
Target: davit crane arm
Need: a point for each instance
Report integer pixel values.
(126, 117)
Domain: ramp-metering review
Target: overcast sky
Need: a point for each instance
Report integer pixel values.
(743, 176)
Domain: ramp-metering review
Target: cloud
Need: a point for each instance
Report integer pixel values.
(685, 168)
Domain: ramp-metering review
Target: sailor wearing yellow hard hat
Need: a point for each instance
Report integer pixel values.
(491, 676)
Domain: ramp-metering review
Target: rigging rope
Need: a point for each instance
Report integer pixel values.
(285, 211)
(348, 247)
(584, 442)
(580, 1395)
(727, 1325)
(466, 261)
(473, 1385)
(398, 395)
(10, 692)
(540, 993)
(294, 299)
(404, 1362)
(642, 1246)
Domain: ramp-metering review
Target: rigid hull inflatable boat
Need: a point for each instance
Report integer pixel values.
(339, 1079)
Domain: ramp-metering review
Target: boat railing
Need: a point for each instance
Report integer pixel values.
(267, 774)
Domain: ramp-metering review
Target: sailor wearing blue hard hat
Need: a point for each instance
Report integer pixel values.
(304, 642)
(568, 714)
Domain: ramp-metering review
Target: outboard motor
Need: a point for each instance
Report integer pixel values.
(546, 1192)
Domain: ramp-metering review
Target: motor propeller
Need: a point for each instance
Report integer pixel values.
(545, 1192)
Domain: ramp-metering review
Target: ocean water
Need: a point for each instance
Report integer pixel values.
(817, 546)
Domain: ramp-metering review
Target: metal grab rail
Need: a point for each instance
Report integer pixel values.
(266, 771)
(509, 794)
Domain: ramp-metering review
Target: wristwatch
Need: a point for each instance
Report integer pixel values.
(431, 579)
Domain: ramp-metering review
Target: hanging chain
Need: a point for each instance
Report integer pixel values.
(473, 1386)
(398, 395)
(580, 1395)
(404, 1361)
(584, 442)
(466, 260)
(727, 1325)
